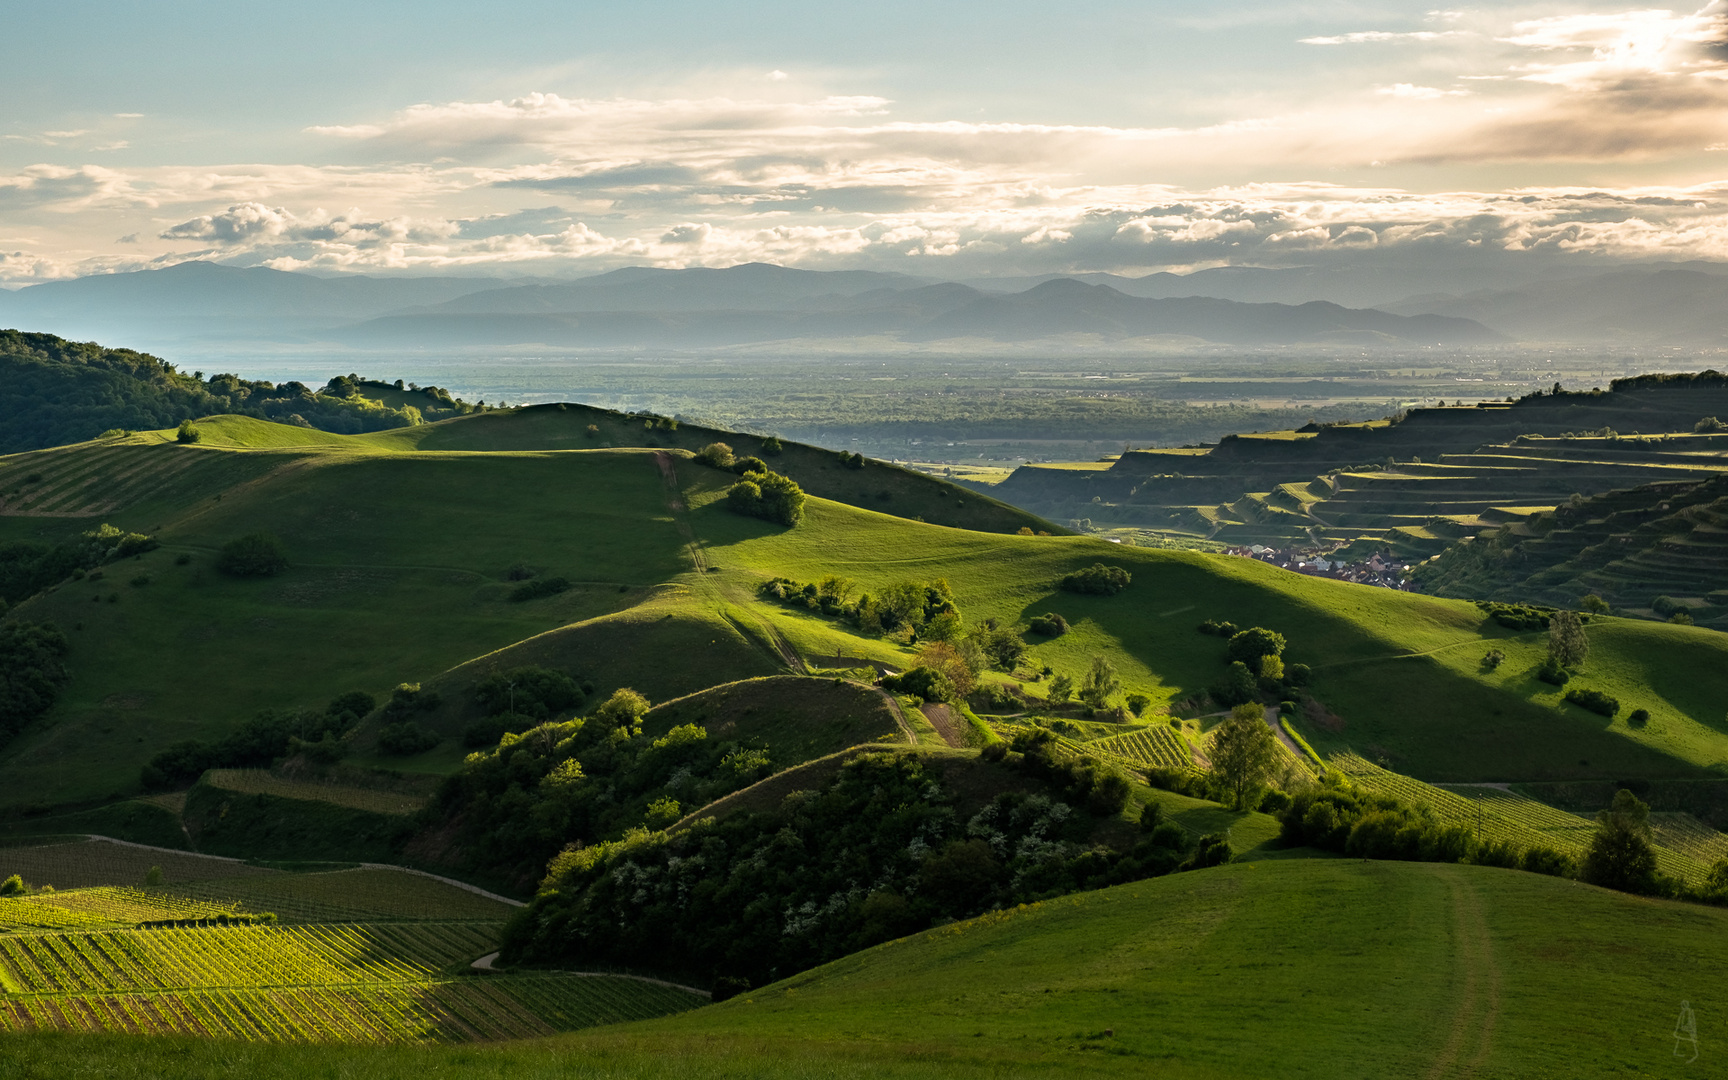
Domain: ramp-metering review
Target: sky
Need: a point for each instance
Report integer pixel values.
(944, 139)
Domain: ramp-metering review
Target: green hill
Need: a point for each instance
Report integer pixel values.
(1310, 968)
(401, 564)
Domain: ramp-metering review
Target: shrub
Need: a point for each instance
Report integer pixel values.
(922, 682)
(12, 886)
(188, 433)
(1002, 644)
(769, 496)
(1493, 658)
(746, 465)
(624, 709)
(772, 445)
(1594, 700)
(257, 554)
(527, 691)
(1101, 683)
(1551, 672)
(1251, 645)
(1137, 703)
(1218, 629)
(1061, 689)
(32, 673)
(405, 738)
(1567, 643)
(538, 589)
(349, 709)
(1594, 604)
(1097, 579)
(1298, 674)
(1620, 855)
(1515, 616)
(1048, 624)
(1664, 606)
(1681, 618)
(1238, 686)
(717, 454)
(1639, 717)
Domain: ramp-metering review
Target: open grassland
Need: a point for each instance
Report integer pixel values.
(265, 782)
(400, 565)
(798, 718)
(1319, 968)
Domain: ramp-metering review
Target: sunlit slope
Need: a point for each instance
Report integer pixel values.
(399, 571)
(1306, 968)
(1404, 671)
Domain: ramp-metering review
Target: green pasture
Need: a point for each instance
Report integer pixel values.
(1319, 968)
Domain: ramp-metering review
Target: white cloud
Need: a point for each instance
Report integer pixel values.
(1424, 93)
(1361, 37)
(777, 76)
(1625, 46)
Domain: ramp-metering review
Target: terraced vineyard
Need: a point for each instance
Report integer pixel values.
(1500, 815)
(1156, 745)
(373, 954)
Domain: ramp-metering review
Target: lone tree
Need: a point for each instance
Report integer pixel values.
(1254, 643)
(1101, 683)
(624, 709)
(1620, 855)
(1244, 754)
(1567, 644)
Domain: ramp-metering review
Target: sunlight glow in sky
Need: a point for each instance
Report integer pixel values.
(949, 139)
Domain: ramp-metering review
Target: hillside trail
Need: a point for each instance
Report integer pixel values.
(680, 516)
(485, 964)
(906, 727)
(1470, 1034)
(1278, 733)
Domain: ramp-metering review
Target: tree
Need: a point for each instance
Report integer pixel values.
(1620, 855)
(1002, 644)
(1137, 703)
(954, 664)
(717, 454)
(1567, 643)
(1101, 683)
(1244, 754)
(624, 709)
(1594, 604)
(1098, 579)
(188, 433)
(1237, 686)
(257, 554)
(1249, 645)
(1061, 689)
(32, 673)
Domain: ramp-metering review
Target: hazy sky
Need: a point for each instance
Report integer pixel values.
(948, 139)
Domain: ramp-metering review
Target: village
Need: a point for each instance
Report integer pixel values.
(1382, 568)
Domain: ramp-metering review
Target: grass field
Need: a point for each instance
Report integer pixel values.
(387, 533)
(1318, 968)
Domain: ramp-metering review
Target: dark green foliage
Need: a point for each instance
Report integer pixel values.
(1517, 616)
(1097, 579)
(1639, 718)
(1665, 606)
(1492, 659)
(539, 589)
(27, 568)
(13, 886)
(1552, 673)
(490, 730)
(32, 673)
(54, 391)
(744, 466)
(1048, 624)
(1218, 629)
(772, 445)
(877, 852)
(769, 496)
(188, 433)
(716, 455)
(534, 692)
(258, 742)
(1298, 674)
(1244, 753)
(1213, 850)
(582, 781)
(1596, 701)
(404, 738)
(1252, 645)
(351, 708)
(1003, 645)
(1621, 855)
(1137, 703)
(1237, 687)
(257, 554)
(1567, 643)
(408, 699)
(922, 682)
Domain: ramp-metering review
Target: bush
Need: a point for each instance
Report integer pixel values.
(1252, 645)
(1492, 659)
(1048, 624)
(32, 673)
(527, 691)
(717, 454)
(538, 589)
(1594, 700)
(351, 708)
(744, 466)
(1238, 687)
(1516, 616)
(1298, 675)
(1061, 689)
(1137, 703)
(405, 738)
(1552, 673)
(1639, 717)
(768, 496)
(1218, 629)
(922, 682)
(1097, 579)
(12, 886)
(257, 554)
(188, 433)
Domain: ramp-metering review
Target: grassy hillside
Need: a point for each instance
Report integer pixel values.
(1320, 968)
(401, 564)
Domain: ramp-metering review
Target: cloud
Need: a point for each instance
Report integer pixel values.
(1424, 93)
(1361, 37)
(1626, 47)
(777, 76)
(68, 189)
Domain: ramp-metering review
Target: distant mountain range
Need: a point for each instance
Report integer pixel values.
(209, 304)
(201, 306)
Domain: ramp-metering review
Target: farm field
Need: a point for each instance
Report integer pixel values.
(363, 955)
(1371, 968)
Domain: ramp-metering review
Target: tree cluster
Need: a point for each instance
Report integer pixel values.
(32, 673)
(519, 699)
(256, 743)
(767, 495)
(257, 554)
(877, 852)
(1097, 579)
(28, 567)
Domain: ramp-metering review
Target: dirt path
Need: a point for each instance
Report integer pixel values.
(485, 964)
(941, 718)
(675, 503)
(1470, 1038)
(906, 727)
(1283, 738)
